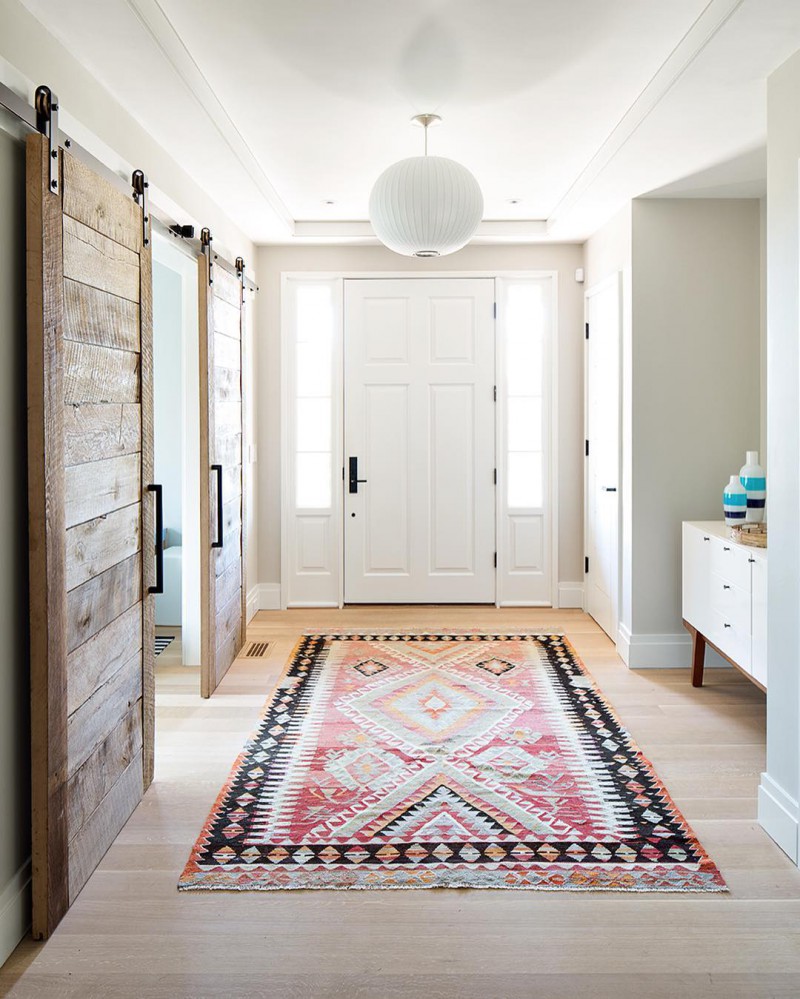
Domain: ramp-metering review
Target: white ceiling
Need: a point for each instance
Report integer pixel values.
(570, 106)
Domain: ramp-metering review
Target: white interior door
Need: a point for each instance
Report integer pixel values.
(419, 434)
(603, 315)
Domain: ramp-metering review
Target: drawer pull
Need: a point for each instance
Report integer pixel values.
(727, 626)
(751, 560)
(725, 549)
(725, 586)
(706, 539)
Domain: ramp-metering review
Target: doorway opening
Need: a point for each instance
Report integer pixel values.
(176, 415)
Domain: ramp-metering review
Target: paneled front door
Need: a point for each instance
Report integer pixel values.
(419, 438)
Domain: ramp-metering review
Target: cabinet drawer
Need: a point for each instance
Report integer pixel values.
(732, 640)
(732, 602)
(731, 562)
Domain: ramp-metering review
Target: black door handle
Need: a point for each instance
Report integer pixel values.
(353, 477)
(220, 530)
(609, 489)
(159, 491)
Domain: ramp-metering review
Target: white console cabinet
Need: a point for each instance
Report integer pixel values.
(725, 599)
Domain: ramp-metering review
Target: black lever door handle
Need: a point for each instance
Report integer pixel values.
(220, 529)
(159, 491)
(609, 489)
(353, 476)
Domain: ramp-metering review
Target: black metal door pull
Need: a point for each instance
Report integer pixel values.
(159, 491)
(220, 532)
(353, 477)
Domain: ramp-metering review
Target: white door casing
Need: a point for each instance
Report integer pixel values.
(524, 417)
(419, 418)
(603, 436)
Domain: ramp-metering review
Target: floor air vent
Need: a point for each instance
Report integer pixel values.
(256, 650)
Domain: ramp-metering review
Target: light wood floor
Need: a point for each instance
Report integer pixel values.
(131, 934)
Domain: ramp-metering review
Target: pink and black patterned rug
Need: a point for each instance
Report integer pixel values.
(444, 761)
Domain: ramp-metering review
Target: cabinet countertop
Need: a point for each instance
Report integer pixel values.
(719, 529)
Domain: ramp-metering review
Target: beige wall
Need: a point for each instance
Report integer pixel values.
(691, 390)
(695, 381)
(563, 258)
(14, 677)
(780, 785)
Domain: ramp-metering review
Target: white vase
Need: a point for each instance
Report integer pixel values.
(734, 502)
(754, 480)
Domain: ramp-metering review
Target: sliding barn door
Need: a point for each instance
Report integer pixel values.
(221, 470)
(91, 521)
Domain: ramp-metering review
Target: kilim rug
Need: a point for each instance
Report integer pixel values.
(444, 761)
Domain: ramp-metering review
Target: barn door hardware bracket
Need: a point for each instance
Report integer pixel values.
(205, 242)
(182, 231)
(46, 104)
(240, 275)
(140, 185)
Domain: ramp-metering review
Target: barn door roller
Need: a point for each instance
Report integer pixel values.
(46, 104)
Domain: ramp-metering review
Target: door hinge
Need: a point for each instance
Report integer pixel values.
(495, 560)
(494, 310)
(586, 563)
(494, 475)
(494, 392)
(587, 331)
(586, 448)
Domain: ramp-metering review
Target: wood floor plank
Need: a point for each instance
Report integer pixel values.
(94, 431)
(131, 934)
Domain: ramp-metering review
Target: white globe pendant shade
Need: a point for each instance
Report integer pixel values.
(425, 206)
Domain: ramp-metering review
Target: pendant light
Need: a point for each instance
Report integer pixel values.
(425, 206)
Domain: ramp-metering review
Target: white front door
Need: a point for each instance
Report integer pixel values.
(603, 315)
(419, 435)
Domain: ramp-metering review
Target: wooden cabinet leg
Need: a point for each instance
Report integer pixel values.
(698, 657)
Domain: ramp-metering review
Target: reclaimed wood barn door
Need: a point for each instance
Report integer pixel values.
(92, 541)
(222, 493)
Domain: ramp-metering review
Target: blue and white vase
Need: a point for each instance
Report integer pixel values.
(754, 480)
(734, 502)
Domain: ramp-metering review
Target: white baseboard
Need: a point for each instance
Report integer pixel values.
(263, 596)
(779, 814)
(252, 603)
(673, 651)
(15, 911)
(570, 595)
